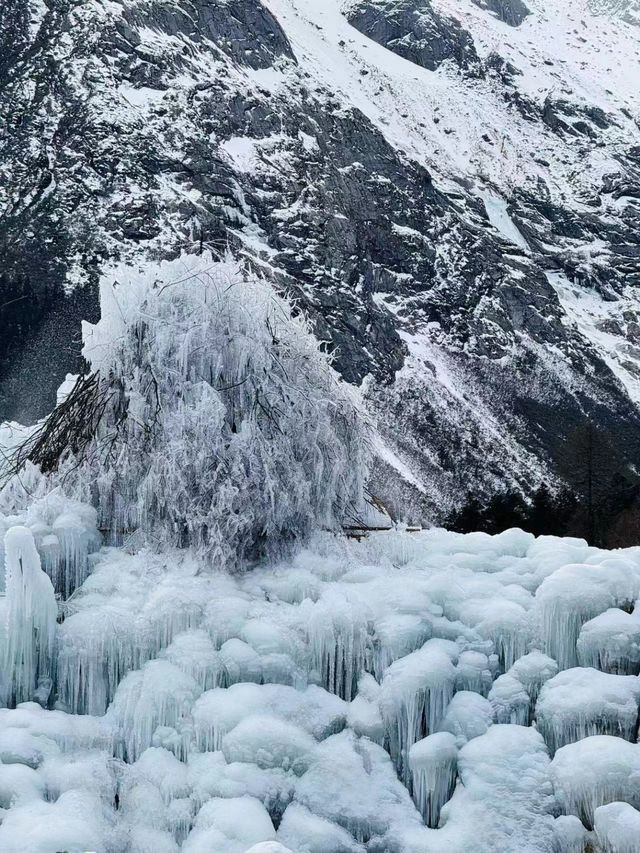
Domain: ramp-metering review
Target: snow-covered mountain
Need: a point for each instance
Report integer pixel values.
(449, 188)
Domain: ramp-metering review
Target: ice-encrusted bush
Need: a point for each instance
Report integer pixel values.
(223, 425)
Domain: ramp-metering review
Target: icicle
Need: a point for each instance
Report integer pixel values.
(338, 638)
(611, 642)
(510, 701)
(32, 612)
(74, 547)
(157, 695)
(581, 702)
(433, 762)
(414, 696)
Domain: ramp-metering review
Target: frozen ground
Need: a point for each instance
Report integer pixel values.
(410, 693)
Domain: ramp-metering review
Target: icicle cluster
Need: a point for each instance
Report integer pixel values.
(31, 616)
(433, 762)
(415, 693)
(64, 530)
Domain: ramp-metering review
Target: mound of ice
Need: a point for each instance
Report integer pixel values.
(219, 711)
(269, 742)
(229, 826)
(534, 670)
(504, 799)
(351, 782)
(302, 830)
(474, 672)
(415, 693)
(75, 822)
(580, 702)
(510, 701)
(364, 715)
(617, 828)
(469, 715)
(570, 834)
(594, 772)
(611, 642)
(31, 616)
(433, 763)
(574, 594)
(158, 695)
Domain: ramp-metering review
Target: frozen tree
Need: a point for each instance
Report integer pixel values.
(216, 420)
(31, 619)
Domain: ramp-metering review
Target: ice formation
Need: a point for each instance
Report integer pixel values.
(199, 686)
(594, 772)
(570, 834)
(31, 616)
(433, 762)
(617, 828)
(414, 696)
(580, 702)
(611, 642)
(222, 424)
(577, 593)
(64, 530)
(312, 689)
(509, 700)
(183, 694)
(469, 715)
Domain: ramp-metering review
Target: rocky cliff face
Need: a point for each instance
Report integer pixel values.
(451, 189)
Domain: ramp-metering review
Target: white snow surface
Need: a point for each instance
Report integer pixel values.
(335, 702)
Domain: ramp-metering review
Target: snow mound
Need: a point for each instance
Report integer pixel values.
(617, 828)
(580, 702)
(611, 642)
(594, 772)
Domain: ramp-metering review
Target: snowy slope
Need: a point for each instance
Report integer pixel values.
(432, 212)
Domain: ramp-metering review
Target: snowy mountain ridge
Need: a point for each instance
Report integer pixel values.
(448, 188)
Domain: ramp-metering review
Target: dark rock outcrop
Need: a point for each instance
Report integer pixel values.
(512, 12)
(416, 31)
